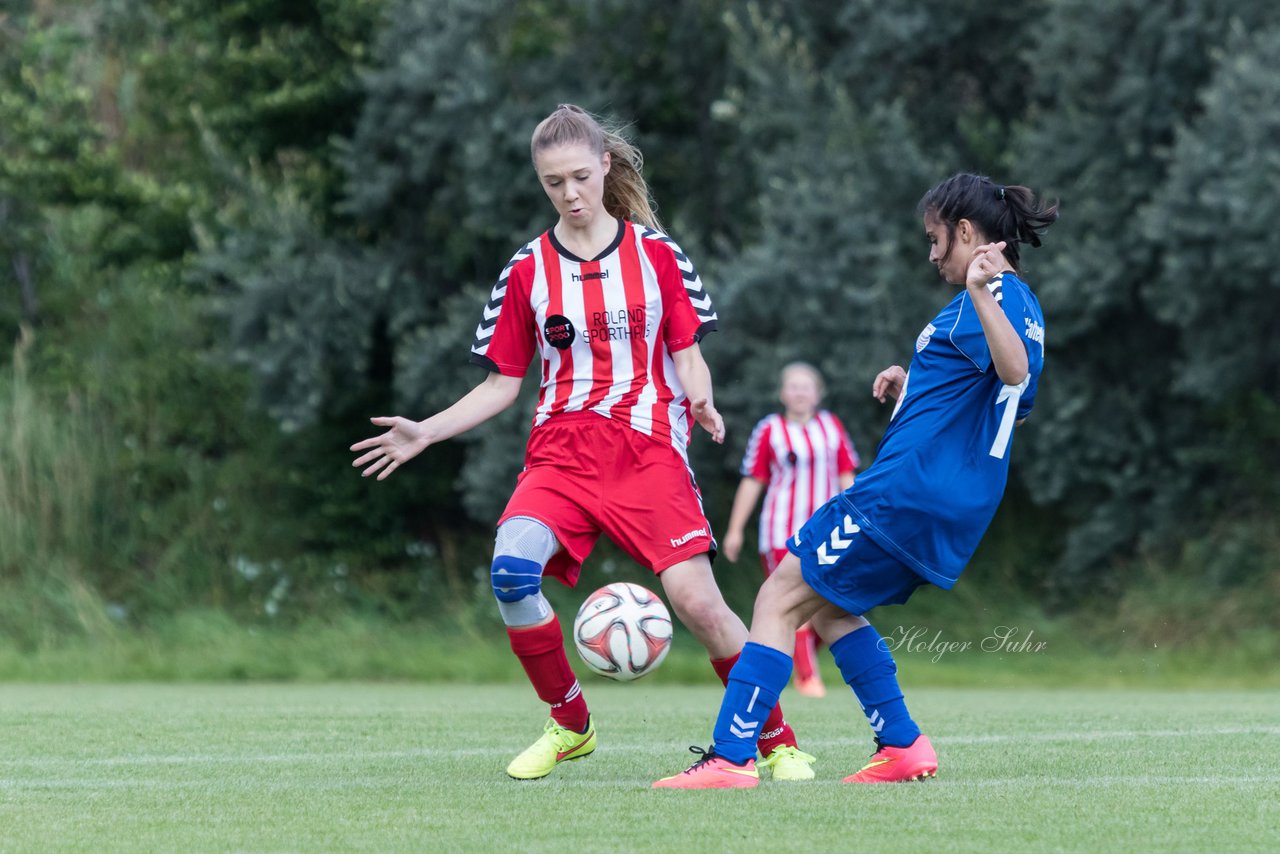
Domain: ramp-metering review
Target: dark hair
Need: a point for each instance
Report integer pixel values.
(626, 194)
(1011, 214)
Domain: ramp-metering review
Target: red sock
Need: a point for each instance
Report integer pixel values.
(776, 732)
(806, 654)
(541, 651)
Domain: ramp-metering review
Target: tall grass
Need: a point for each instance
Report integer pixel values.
(51, 525)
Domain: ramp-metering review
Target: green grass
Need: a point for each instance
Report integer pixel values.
(941, 639)
(420, 767)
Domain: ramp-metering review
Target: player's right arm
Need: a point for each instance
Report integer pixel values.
(1008, 353)
(744, 501)
(407, 438)
(504, 343)
(757, 463)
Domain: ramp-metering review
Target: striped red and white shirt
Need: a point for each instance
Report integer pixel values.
(802, 464)
(606, 328)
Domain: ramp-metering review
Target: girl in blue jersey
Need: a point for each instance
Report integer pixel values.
(917, 514)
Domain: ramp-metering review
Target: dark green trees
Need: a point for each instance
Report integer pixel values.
(1135, 125)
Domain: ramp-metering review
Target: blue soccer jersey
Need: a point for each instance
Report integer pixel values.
(941, 467)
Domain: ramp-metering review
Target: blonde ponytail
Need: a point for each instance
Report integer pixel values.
(626, 194)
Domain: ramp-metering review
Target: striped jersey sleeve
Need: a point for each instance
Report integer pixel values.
(506, 338)
(757, 462)
(847, 461)
(686, 328)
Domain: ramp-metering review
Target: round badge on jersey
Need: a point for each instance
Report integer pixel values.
(559, 331)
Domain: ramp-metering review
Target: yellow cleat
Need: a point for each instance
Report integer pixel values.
(556, 745)
(789, 763)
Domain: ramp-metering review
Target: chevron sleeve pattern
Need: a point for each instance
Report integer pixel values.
(690, 314)
(506, 338)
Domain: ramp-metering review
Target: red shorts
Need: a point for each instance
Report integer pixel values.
(586, 474)
(770, 560)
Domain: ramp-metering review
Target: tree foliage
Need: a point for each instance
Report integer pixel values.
(439, 192)
(1214, 219)
(1124, 450)
(242, 228)
(833, 274)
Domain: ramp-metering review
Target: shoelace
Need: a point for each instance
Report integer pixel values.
(561, 737)
(773, 758)
(707, 755)
(554, 730)
(874, 754)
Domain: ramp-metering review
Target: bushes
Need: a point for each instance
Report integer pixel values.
(231, 246)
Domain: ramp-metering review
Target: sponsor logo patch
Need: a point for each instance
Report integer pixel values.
(559, 332)
(923, 340)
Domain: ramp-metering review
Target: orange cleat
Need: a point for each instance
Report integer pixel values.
(811, 687)
(713, 772)
(899, 764)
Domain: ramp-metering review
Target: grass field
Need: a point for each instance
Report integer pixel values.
(420, 768)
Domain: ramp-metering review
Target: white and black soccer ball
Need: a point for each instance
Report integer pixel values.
(622, 631)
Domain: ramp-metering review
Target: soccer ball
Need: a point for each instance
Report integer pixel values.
(622, 631)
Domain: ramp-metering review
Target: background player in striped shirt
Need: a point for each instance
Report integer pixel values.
(615, 311)
(917, 513)
(799, 459)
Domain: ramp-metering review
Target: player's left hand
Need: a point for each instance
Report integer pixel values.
(707, 415)
(988, 259)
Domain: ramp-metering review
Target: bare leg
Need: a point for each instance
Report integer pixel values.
(692, 591)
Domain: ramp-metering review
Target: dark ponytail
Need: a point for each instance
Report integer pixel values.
(1012, 213)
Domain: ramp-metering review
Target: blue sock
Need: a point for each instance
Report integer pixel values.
(755, 683)
(868, 667)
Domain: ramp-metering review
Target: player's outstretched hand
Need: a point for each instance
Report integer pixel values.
(710, 419)
(988, 259)
(889, 382)
(404, 441)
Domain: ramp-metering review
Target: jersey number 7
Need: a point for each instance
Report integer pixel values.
(1009, 396)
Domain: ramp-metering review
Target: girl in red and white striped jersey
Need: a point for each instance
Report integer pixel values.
(799, 459)
(614, 310)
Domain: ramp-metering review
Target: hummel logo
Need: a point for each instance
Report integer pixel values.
(676, 542)
(743, 729)
(826, 556)
(877, 722)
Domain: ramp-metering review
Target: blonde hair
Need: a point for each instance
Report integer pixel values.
(807, 368)
(626, 194)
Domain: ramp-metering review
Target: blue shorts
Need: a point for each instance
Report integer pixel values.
(845, 566)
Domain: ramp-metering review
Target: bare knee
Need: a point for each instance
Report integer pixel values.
(832, 623)
(693, 594)
(703, 613)
(785, 599)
